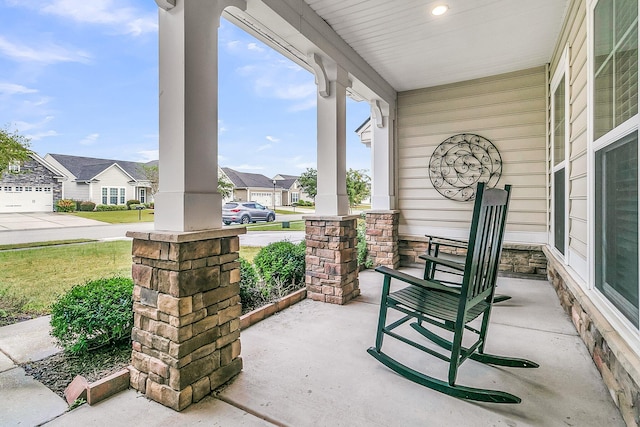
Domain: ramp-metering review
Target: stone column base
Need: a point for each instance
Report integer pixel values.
(332, 258)
(186, 334)
(382, 238)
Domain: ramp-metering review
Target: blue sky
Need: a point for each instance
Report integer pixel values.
(80, 77)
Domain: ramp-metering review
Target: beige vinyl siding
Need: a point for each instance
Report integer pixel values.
(510, 111)
(70, 188)
(574, 35)
(113, 177)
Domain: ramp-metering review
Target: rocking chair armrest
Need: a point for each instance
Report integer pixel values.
(446, 262)
(446, 241)
(412, 280)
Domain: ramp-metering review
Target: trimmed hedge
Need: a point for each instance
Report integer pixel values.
(281, 263)
(87, 206)
(103, 208)
(93, 315)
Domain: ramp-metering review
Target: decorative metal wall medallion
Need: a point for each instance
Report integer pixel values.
(461, 161)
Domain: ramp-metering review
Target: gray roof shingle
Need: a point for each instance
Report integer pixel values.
(250, 180)
(87, 168)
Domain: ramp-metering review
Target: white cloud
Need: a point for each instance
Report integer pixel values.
(115, 14)
(27, 126)
(39, 135)
(221, 127)
(272, 138)
(264, 147)
(90, 139)
(233, 44)
(255, 46)
(15, 89)
(148, 155)
(47, 53)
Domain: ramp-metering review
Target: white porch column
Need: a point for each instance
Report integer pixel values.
(188, 199)
(382, 156)
(333, 81)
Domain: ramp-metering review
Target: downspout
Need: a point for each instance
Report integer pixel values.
(547, 148)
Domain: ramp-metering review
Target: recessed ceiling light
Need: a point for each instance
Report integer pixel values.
(440, 9)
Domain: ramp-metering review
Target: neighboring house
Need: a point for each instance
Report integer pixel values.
(30, 186)
(102, 181)
(254, 187)
(292, 192)
(283, 190)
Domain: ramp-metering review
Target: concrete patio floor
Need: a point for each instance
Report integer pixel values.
(308, 366)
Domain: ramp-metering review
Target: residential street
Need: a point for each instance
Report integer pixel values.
(50, 228)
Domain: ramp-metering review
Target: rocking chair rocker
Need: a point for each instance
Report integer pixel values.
(433, 303)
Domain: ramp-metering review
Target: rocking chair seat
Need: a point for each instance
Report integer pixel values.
(434, 303)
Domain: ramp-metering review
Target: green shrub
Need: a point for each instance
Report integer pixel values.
(66, 205)
(93, 315)
(251, 296)
(132, 202)
(103, 208)
(304, 203)
(362, 244)
(281, 264)
(87, 206)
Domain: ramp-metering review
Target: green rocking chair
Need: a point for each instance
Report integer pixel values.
(430, 302)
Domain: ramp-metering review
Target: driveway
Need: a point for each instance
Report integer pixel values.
(42, 227)
(37, 220)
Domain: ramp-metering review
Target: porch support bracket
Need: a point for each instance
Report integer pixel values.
(319, 71)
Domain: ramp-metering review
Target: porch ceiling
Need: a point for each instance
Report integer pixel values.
(410, 48)
(388, 46)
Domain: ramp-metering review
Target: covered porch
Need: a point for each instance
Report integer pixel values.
(308, 366)
(515, 75)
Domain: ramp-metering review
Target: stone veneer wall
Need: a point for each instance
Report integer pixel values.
(186, 335)
(332, 258)
(33, 173)
(382, 238)
(617, 362)
(516, 258)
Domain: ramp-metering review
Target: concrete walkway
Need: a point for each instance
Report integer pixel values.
(308, 366)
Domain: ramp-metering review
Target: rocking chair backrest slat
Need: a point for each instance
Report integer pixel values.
(485, 241)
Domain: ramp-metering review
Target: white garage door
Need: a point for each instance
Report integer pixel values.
(17, 198)
(265, 198)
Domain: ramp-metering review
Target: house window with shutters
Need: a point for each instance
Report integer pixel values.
(615, 147)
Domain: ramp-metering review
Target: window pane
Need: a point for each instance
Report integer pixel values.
(626, 78)
(558, 209)
(616, 63)
(104, 196)
(602, 32)
(113, 196)
(122, 197)
(617, 224)
(626, 11)
(603, 97)
(558, 123)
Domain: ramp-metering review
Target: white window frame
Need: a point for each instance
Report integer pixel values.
(562, 70)
(121, 193)
(14, 167)
(629, 332)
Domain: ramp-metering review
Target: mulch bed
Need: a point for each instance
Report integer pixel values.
(57, 371)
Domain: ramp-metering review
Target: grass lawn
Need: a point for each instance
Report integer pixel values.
(40, 244)
(32, 278)
(277, 226)
(118, 217)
